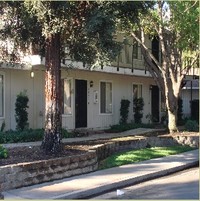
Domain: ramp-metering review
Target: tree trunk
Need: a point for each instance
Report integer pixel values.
(172, 108)
(172, 121)
(53, 120)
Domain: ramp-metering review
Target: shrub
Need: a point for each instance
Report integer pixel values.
(191, 125)
(124, 110)
(3, 152)
(3, 125)
(28, 135)
(138, 104)
(66, 134)
(21, 114)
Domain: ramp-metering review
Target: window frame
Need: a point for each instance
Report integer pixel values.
(141, 93)
(71, 93)
(138, 84)
(105, 81)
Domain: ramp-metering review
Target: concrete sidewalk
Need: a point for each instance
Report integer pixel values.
(137, 131)
(87, 185)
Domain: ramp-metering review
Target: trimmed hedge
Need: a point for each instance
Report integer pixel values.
(28, 135)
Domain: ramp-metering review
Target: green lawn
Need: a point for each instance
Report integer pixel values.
(141, 155)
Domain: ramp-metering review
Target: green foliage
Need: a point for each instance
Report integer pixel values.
(67, 134)
(141, 155)
(185, 22)
(138, 104)
(3, 125)
(191, 125)
(124, 110)
(21, 114)
(27, 135)
(3, 152)
(86, 28)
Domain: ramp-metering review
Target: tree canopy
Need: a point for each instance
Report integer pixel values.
(83, 30)
(175, 25)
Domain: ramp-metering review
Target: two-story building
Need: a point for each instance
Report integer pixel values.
(91, 98)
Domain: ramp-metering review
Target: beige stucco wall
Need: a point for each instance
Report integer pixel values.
(19, 80)
(15, 82)
(122, 89)
(186, 97)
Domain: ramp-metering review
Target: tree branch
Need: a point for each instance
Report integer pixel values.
(147, 50)
(190, 6)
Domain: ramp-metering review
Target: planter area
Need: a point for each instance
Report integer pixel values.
(25, 174)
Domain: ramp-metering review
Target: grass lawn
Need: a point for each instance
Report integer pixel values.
(141, 155)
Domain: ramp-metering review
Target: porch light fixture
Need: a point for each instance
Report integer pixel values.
(150, 87)
(91, 83)
(32, 74)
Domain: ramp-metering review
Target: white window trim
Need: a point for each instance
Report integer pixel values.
(136, 83)
(72, 96)
(105, 114)
(4, 86)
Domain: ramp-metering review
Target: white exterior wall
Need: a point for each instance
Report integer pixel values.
(15, 82)
(186, 97)
(122, 89)
(19, 80)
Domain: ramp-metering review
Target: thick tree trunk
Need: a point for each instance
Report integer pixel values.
(53, 121)
(172, 107)
(172, 121)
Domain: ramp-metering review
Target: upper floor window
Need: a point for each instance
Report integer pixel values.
(128, 54)
(105, 97)
(135, 51)
(1, 95)
(67, 96)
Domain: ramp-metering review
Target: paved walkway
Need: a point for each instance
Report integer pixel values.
(137, 131)
(86, 185)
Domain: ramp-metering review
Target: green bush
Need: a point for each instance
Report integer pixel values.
(66, 134)
(124, 110)
(3, 152)
(191, 125)
(28, 135)
(21, 114)
(138, 104)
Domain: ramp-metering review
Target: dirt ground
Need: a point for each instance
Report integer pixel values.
(35, 153)
(29, 154)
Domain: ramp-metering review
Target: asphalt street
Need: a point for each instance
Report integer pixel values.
(181, 185)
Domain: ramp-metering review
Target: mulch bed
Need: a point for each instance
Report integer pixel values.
(35, 153)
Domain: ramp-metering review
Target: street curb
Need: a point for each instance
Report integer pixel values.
(85, 194)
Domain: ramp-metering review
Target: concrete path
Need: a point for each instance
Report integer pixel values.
(86, 185)
(137, 131)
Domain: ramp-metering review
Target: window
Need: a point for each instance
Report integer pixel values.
(106, 97)
(135, 50)
(1, 95)
(67, 96)
(127, 54)
(137, 91)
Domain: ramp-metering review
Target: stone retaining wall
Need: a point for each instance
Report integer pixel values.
(107, 149)
(25, 174)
